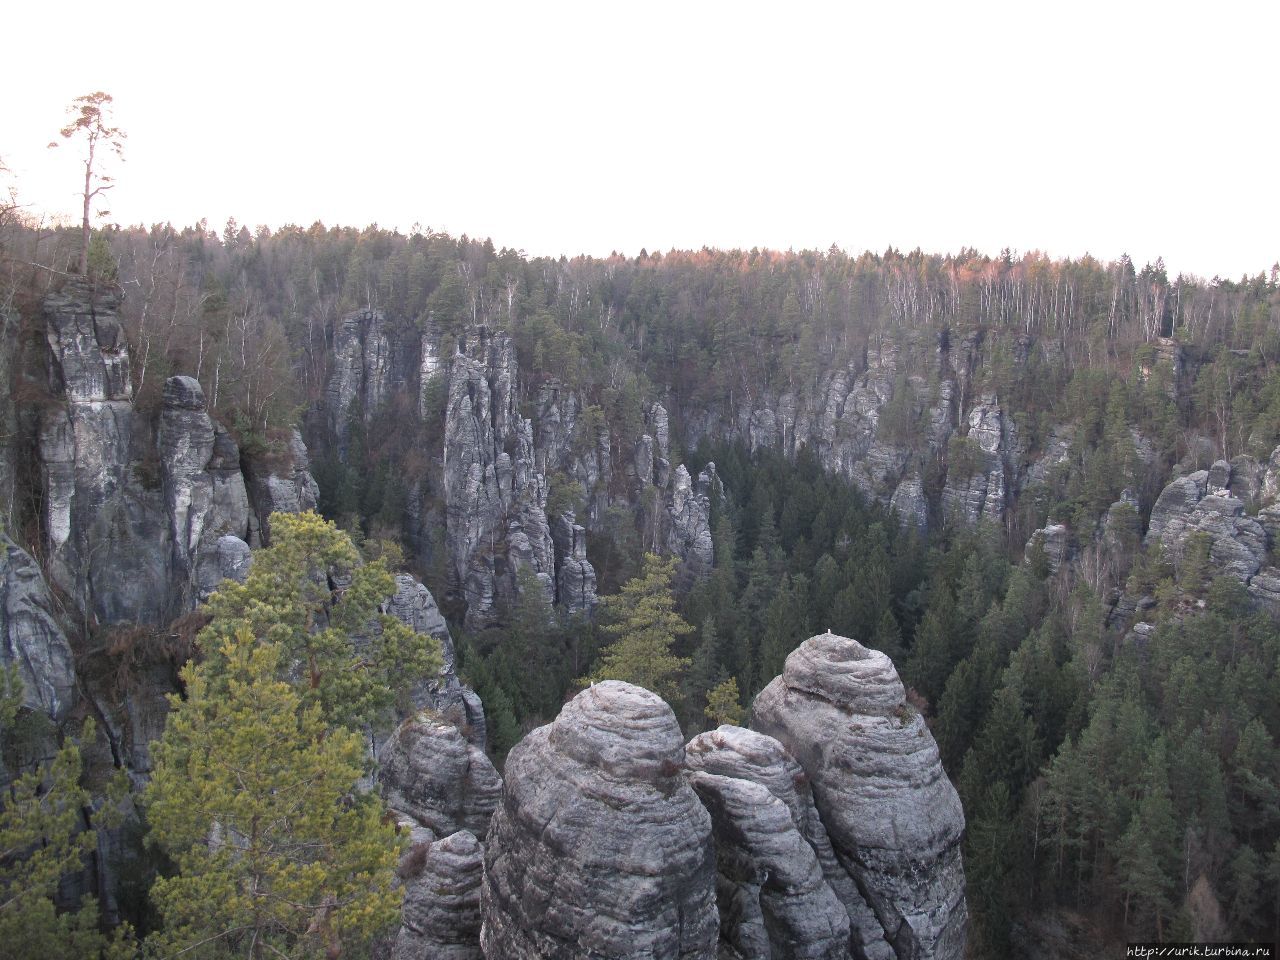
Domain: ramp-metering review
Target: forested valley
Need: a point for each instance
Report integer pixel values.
(961, 461)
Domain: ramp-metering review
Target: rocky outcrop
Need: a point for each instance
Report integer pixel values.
(773, 898)
(413, 605)
(599, 848)
(495, 497)
(752, 756)
(1053, 543)
(440, 919)
(433, 776)
(204, 493)
(1201, 503)
(30, 638)
(279, 482)
(575, 576)
(689, 535)
(976, 490)
(140, 520)
(894, 819)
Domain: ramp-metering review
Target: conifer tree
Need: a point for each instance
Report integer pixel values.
(254, 796)
(310, 593)
(41, 839)
(643, 621)
(724, 704)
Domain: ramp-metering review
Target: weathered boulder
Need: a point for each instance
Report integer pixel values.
(743, 754)
(432, 775)
(440, 919)
(774, 901)
(599, 848)
(30, 637)
(894, 819)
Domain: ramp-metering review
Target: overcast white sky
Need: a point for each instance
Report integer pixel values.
(564, 128)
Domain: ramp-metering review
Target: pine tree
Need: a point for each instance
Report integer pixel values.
(254, 796)
(311, 593)
(724, 704)
(41, 839)
(643, 621)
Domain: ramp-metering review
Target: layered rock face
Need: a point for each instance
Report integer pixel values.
(440, 919)
(497, 466)
(30, 637)
(142, 523)
(893, 818)
(433, 776)
(758, 759)
(770, 886)
(599, 848)
(495, 497)
(1209, 508)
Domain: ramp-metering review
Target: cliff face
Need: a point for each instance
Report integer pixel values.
(143, 517)
(496, 466)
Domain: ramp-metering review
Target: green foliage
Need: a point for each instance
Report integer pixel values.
(254, 796)
(643, 621)
(311, 593)
(42, 838)
(724, 704)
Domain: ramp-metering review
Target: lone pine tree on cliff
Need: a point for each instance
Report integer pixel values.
(91, 119)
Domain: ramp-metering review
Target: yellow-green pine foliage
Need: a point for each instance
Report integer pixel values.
(643, 620)
(723, 703)
(311, 593)
(42, 837)
(254, 796)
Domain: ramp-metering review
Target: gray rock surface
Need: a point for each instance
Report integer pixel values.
(894, 819)
(743, 754)
(689, 534)
(432, 775)
(495, 496)
(1200, 503)
(1054, 541)
(30, 637)
(440, 919)
(413, 605)
(280, 483)
(575, 575)
(774, 901)
(599, 848)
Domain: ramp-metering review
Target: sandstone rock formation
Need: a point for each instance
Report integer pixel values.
(770, 886)
(433, 776)
(751, 756)
(137, 522)
(599, 848)
(894, 819)
(30, 637)
(495, 497)
(440, 919)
